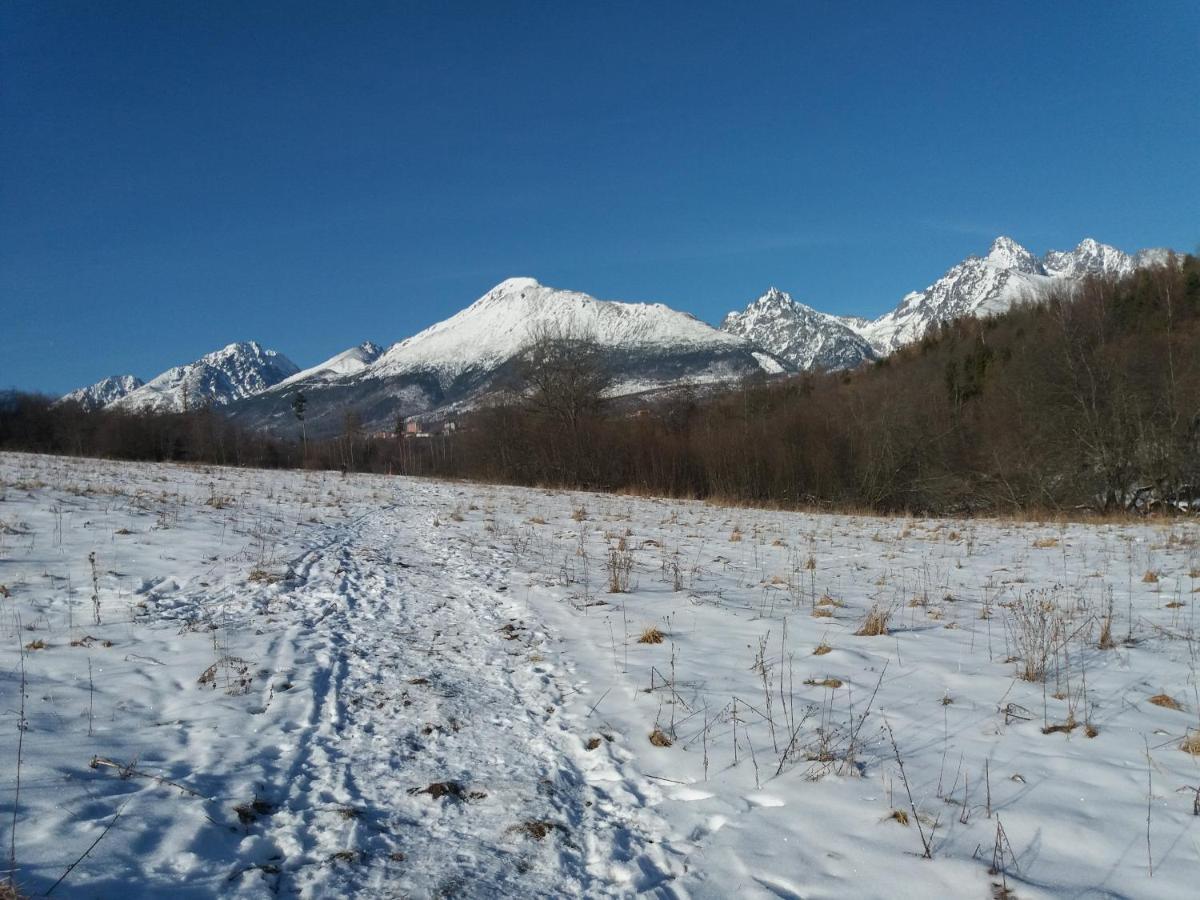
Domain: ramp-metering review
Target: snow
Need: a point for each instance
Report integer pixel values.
(348, 362)
(1009, 274)
(235, 371)
(498, 325)
(805, 337)
(399, 634)
(104, 391)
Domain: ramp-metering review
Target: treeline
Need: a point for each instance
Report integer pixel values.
(38, 424)
(1087, 398)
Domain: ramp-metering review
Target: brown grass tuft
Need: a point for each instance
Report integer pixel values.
(1045, 543)
(899, 815)
(1191, 743)
(824, 682)
(876, 622)
(1151, 577)
(651, 635)
(1166, 701)
(822, 649)
(659, 739)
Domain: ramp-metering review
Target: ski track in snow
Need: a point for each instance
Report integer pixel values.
(424, 676)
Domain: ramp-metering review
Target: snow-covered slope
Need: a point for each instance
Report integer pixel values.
(104, 391)
(494, 329)
(458, 362)
(218, 378)
(803, 336)
(980, 286)
(976, 286)
(348, 362)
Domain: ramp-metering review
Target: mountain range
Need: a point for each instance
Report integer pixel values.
(459, 362)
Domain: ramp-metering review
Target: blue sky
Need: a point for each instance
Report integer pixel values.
(174, 177)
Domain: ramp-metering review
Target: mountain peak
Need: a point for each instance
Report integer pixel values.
(515, 285)
(105, 391)
(798, 333)
(236, 370)
(1008, 254)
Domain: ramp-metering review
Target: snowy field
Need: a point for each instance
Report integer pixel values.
(247, 684)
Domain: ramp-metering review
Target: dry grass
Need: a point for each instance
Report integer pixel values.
(537, 828)
(1191, 743)
(39, 644)
(822, 649)
(1065, 728)
(899, 815)
(735, 535)
(876, 622)
(1045, 543)
(1151, 577)
(659, 738)
(822, 612)
(1166, 701)
(833, 683)
(651, 635)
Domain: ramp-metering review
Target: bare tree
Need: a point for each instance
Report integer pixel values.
(562, 380)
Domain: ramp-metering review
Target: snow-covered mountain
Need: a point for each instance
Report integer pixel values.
(803, 336)
(104, 391)
(215, 379)
(347, 362)
(987, 285)
(458, 362)
(494, 329)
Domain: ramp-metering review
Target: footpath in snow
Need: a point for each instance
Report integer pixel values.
(245, 683)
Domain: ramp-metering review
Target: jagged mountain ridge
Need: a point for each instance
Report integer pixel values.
(459, 362)
(216, 379)
(103, 392)
(977, 286)
(991, 284)
(805, 337)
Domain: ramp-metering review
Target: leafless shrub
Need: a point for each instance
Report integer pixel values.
(233, 671)
(1034, 623)
(620, 569)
